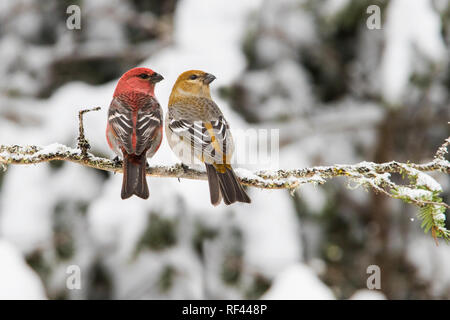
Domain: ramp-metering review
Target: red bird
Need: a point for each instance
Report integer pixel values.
(134, 130)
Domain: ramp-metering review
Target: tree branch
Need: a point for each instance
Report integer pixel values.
(422, 190)
(83, 144)
(266, 179)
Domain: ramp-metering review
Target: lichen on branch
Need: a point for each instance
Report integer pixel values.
(421, 189)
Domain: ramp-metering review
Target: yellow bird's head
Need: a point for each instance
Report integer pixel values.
(192, 83)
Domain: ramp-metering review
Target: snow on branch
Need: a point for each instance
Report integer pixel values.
(421, 189)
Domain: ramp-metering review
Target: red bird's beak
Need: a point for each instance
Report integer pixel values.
(156, 77)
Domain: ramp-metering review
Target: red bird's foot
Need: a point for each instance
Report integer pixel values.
(117, 161)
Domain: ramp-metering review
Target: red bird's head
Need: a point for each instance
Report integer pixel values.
(138, 79)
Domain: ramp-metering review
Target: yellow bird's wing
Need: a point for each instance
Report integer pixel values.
(211, 141)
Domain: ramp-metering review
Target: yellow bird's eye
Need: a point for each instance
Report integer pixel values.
(193, 77)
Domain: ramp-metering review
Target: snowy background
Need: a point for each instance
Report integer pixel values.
(337, 91)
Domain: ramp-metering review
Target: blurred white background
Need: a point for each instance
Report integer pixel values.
(337, 91)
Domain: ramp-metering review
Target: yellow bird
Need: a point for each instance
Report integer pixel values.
(197, 129)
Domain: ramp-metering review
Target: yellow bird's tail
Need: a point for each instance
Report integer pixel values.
(223, 183)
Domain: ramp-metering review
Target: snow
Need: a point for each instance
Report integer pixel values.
(51, 149)
(314, 197)
(26, 217)
(104, 30)
(17, 279)
(284, 21)
(115, 223)
(426, 180)
(295, 84)
(56, 148)
(333, 7)
(139, 281)
(247, 174)
(365, 294)
(440, 217)
(414, 193)
(403, 34)
(298, 282)
(431, 263)
(25, 24)
(271, 230)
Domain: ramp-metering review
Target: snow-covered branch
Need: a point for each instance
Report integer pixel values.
(419, 188)
(266, 179)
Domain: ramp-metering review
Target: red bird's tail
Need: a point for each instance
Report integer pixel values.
(134, 181)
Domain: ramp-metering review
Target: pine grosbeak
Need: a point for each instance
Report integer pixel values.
(196, 128)
(134, 130)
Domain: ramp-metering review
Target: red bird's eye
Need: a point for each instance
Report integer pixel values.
(144, 76)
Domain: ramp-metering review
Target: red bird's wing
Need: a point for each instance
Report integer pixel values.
(120, 118)
(148, 124)
(135, 127)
